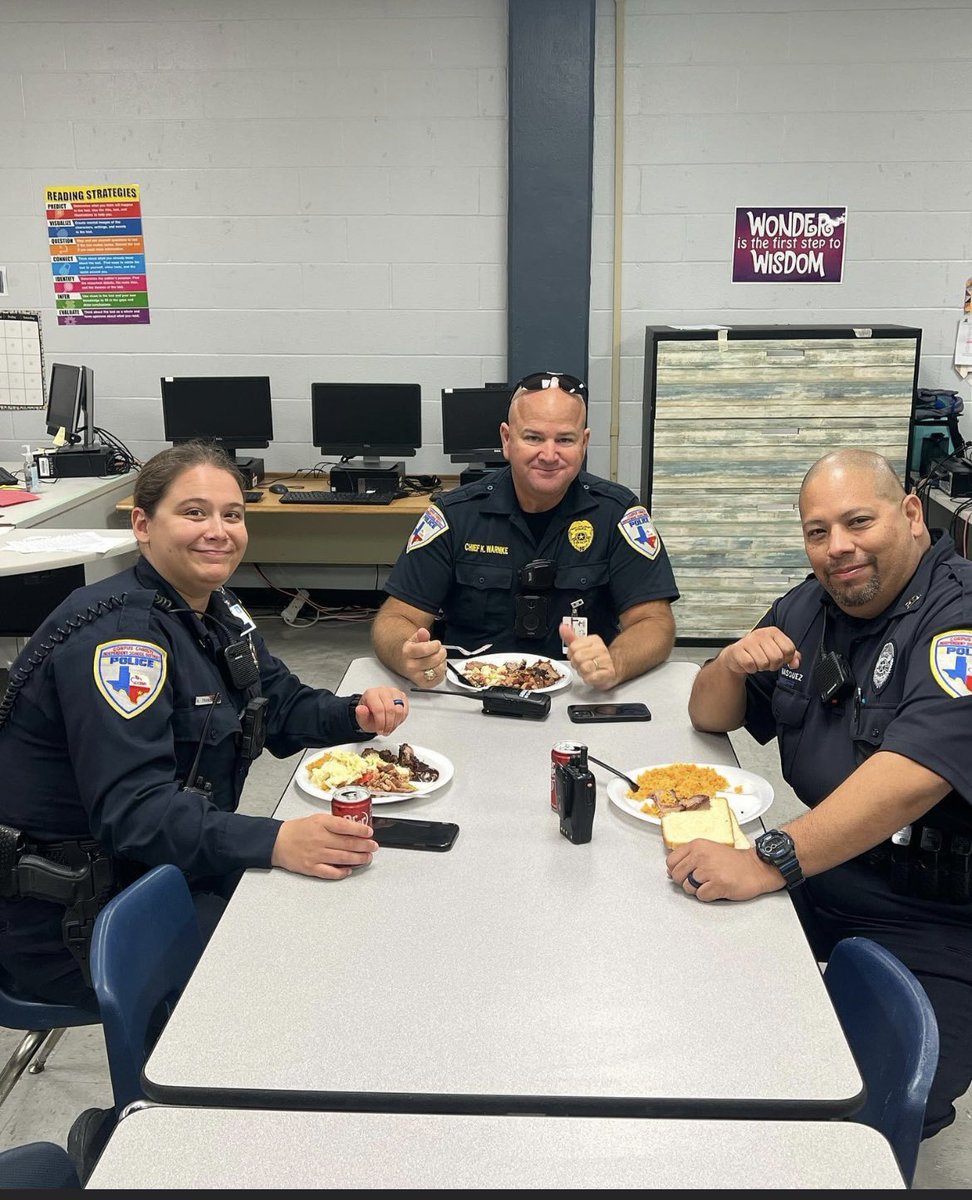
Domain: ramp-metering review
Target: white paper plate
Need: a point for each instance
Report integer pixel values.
(442, 764)
(750, 803)
(566, 675)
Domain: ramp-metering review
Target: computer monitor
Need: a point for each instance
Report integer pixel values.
(367, 420)
(471, 418)
(233, 411)
(70, 404)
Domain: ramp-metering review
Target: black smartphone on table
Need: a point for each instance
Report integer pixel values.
(583, 714)
(409, 834)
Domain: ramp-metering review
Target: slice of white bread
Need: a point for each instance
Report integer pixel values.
(713, 823)
(741, 842)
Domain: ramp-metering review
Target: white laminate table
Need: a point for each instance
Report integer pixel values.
(162, 1147)
(87, 502)
(516, 972)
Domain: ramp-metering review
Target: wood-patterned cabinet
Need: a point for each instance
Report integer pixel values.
(732, 420)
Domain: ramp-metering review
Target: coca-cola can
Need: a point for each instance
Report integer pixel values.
(353, 803)
(565, 753)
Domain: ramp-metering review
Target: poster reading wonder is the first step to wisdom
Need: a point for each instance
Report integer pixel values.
(97, 254)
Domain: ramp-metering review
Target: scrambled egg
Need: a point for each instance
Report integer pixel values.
(336, 769)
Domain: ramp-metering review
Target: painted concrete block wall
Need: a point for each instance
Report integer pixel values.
(324, 185)
(323, 191)
(783, 102)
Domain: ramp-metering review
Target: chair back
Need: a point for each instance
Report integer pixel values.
(145, 946)
(37, 1165)
(892, 1031)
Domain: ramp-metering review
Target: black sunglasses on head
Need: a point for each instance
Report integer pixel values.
(551, 379)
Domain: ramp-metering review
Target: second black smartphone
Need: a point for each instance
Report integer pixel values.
(582, 714)
(414, 835)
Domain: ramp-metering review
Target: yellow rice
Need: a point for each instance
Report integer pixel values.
(684, 779)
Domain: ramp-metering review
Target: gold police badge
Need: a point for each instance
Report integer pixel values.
(580, 535)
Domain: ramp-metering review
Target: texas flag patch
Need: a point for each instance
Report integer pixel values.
(636, 528)
(951, 661)
(430, 525)
(129, 675)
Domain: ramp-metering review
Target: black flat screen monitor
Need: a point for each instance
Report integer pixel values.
(366, 420)
(70, 403)
(471, 418)
(233, 411)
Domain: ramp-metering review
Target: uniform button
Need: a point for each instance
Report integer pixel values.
(212, 735)
(482, 579)
(875, 732)
(489, 487)
(583, 579)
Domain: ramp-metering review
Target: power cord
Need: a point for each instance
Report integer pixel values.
(300, 598)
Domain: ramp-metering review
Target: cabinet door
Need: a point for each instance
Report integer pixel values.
(731, 427)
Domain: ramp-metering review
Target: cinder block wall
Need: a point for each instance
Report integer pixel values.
(324, 185)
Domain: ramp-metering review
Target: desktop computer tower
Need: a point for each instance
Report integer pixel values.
(252, 471)
(386, 478)
(76, 462)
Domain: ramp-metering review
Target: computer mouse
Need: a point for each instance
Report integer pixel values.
(279, 488)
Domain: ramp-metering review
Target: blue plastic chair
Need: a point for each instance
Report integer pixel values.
(145, 946)
(891, 1028)
(43, 1024)
(37, 1165)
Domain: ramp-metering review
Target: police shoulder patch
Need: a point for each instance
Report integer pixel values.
(430, 525)
(950, 659)
(638, 531)
(129, 675)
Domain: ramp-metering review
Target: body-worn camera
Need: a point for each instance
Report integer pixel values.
(575, 790)
(532, 609)
(254, 725)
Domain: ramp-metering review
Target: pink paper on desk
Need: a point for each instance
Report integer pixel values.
(10, 496)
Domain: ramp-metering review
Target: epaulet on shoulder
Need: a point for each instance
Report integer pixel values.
(613, 491)
(462, 495)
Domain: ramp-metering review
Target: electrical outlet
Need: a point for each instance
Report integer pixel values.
(291, 612)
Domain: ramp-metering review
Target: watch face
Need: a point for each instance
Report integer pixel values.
(774, 844)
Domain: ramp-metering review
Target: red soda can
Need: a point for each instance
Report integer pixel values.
(565, 753)
(353, 803)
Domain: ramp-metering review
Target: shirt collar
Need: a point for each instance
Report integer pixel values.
(502, 495)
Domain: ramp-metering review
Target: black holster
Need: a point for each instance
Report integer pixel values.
(77, 874)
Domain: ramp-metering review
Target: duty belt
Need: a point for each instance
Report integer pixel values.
(926, 862)
(78, 874)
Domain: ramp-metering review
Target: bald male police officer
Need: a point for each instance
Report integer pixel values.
(534, 557)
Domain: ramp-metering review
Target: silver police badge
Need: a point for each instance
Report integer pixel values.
(883, 666)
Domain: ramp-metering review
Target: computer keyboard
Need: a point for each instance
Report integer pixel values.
(337, 497)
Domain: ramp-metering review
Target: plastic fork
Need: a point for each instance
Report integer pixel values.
(468, 653)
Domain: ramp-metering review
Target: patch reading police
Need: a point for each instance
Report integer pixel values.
(129, 675)
(580, 535)
(950, 658)
(636, 528)
(431, 524)
(883, 666)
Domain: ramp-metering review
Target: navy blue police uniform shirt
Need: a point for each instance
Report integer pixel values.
(463, 559)
(913, 666)
(106, 725)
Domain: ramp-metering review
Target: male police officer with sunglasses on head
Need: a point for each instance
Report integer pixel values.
(533, 558)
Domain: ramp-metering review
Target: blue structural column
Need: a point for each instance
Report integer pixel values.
(551, 143)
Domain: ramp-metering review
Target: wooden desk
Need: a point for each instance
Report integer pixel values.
(517, 972)
(354, 534)
(170, 1148)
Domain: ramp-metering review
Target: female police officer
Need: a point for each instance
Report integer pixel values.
(129, 724)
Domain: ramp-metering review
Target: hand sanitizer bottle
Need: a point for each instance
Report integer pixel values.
(31, 478)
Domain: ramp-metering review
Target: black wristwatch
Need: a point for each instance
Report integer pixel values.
(777, 849)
